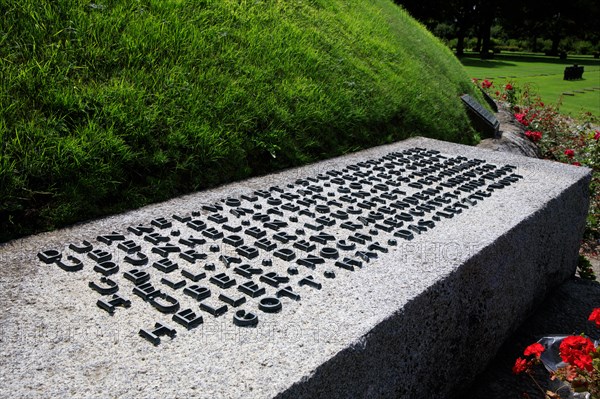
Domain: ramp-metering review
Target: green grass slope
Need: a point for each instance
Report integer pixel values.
(111, 105)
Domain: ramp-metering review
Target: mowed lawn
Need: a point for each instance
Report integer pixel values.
(545, 76)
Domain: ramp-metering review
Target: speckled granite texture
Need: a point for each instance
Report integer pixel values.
(419, 321)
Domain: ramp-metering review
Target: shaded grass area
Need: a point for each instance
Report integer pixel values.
(113, 105)
(545, 75)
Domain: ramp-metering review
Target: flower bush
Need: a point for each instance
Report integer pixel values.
(560, 138)
(581, 358)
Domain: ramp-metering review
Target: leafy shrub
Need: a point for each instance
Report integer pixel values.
(584, 47)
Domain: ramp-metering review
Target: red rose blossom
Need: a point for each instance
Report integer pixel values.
(534, 136)
(576, 163)
(486, 84)
(508, 86)
(520, 366)
(522, 118)
(534, 349)
(595, 316)
(576, 350)
(569, 153)
(597, 135)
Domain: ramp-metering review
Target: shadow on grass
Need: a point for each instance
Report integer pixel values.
(502, 60)
(477, 62)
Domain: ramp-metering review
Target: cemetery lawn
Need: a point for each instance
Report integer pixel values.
(110, 106)
(545, 76)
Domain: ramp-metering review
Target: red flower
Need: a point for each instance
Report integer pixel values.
(569, 153)
(576, 350)
(534, 136)
(597, 135)
(584, 362)
(595, 316)
(497, 93)
(522, 118)
(534, 349)
(520, 366)
(486, 84)
(508, 86)
(576, 163)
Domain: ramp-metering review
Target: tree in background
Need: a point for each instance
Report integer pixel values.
(459, 14)
(561, 23)
(486, 13)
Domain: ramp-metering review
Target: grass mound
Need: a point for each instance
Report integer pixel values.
(109, 106)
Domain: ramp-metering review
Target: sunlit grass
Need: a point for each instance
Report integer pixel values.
(545, 76)
(106, 106)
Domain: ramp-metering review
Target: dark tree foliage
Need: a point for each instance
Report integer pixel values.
(520, 19)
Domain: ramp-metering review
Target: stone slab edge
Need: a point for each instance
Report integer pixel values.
(424, 341)
(442, 339)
